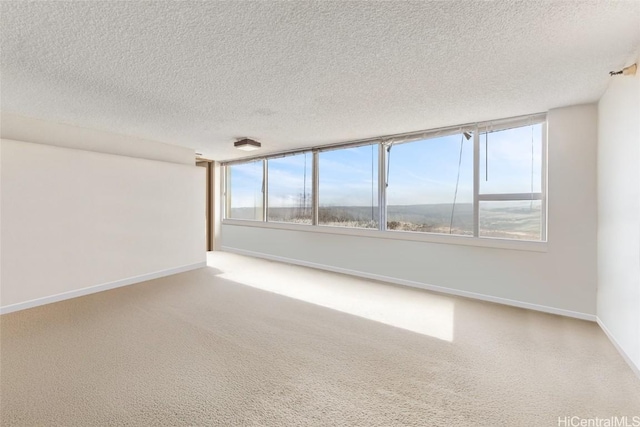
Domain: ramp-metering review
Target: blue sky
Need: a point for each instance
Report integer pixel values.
(420, 172)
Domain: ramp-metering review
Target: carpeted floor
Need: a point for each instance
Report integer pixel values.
(201, 349)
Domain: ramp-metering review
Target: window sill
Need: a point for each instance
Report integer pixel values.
(486, 242)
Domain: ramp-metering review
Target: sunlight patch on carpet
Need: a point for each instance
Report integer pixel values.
(410, 309)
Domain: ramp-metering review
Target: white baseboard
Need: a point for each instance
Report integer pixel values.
(625, 356)
(98, 288)
(441, 289)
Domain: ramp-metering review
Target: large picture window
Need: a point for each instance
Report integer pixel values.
(290, 189)
(245, 191)
(348, 187)
(485, 180)
(510, 195)
(430, 185)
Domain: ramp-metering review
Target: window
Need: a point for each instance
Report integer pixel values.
(245, 191)
(510, 195)
(511, 219)
(430, 185)
(485, 180)
(348, 187)
(290, 189)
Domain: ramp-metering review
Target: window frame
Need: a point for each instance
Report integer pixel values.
(437, 133)
(267, 207)
(226, 180)
(383, 143)
(316, 183)
(514, 197)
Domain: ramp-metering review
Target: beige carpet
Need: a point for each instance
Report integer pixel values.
(201, 349)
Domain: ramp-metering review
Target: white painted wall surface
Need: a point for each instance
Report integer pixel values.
(73, 219)
(619, 214)
(562, 279)
(20, 128)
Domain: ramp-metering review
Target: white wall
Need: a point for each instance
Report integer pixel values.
(73, 219)
(619, 214)
(20, 128)
(562, 279)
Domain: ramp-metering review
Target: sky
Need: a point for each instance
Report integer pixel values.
(420, 172)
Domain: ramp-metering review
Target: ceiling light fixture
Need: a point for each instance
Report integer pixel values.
(247, 144)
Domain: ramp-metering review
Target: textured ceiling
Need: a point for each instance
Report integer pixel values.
(296, 74)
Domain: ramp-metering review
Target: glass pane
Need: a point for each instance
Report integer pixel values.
(423, 179)
(244, 195)
(348, 187)
(290, 189)
(511, 220)
(515, 161)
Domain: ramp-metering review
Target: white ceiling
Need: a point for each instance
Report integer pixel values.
(297, 74)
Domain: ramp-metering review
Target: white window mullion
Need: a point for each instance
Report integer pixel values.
(543, 187)
(382, 186)
(225, 185)
(265, 189)
(476, 182)
(315, 196)
(510, 197)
